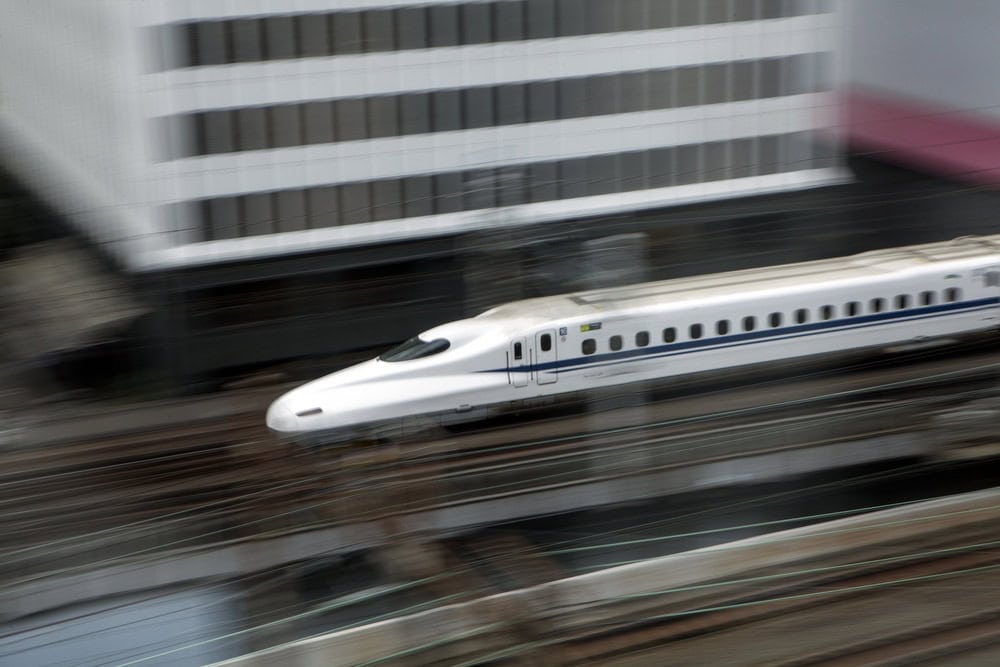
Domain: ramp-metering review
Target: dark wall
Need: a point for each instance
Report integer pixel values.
(222, 321)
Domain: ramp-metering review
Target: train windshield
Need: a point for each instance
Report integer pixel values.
(415, 348)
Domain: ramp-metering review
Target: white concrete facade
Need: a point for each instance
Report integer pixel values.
(98, 112)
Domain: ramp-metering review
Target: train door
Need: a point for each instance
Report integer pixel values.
(517, 362)
(545, 352)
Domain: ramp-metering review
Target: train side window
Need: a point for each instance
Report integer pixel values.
(927, 298)
(992, 279)
(826, 312)
(669, 335)
(852, 308)
(615, 342)
(589, 346)
(774, 319)
(876, 305)
(902, 301)
(952, 294)
(722, 327)
(695, 331)
(749, 323)
(518, 352)
(546, 342)
(642, 339)
(801, 315)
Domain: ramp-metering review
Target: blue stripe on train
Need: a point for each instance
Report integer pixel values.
(752, 337)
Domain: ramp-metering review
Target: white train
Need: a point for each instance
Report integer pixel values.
(555, 345)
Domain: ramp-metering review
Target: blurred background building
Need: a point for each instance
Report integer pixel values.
(922, 90)
(292, 179)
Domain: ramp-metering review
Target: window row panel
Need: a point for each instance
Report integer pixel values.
(775, 320)
(452, 192)
(313, 35)
(356, 119)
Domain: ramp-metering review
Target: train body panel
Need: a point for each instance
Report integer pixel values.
(654, 331)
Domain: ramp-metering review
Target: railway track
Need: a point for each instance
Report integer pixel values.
(77, 503)
(911, 584)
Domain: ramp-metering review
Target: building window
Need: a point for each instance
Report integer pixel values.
(478, 107)
(286, 125)
(347, 33)
(415, 113)
(411, 26)
(511, 104)
(418, 195)
(252, 130)
(488, 106)
(352, 119)
(355, 204)
(589, 346)
(247, 40)
(322, 206)
(279, 38)
(444, 25)
(215, 132)
(509, 24)
(477, 23)
(379, 30)
(314, 35)
(291, 211)
(383, 116)
(572, 98)
(689, 164)
(317, 119)
(571, 18)
(208, 43)
(446, 110)
(218, 42)
(542, 101)
(387, 200)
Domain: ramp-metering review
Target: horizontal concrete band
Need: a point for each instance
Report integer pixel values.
(565, 603)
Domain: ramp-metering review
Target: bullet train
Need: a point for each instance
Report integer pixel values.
(551, 346)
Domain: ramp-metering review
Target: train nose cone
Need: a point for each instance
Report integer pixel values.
(281, 418)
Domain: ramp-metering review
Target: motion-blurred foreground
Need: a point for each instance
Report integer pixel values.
(206, 203)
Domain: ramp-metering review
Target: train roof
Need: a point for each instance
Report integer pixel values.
(797, 276)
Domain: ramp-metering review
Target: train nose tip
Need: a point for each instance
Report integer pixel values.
(281, 418)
